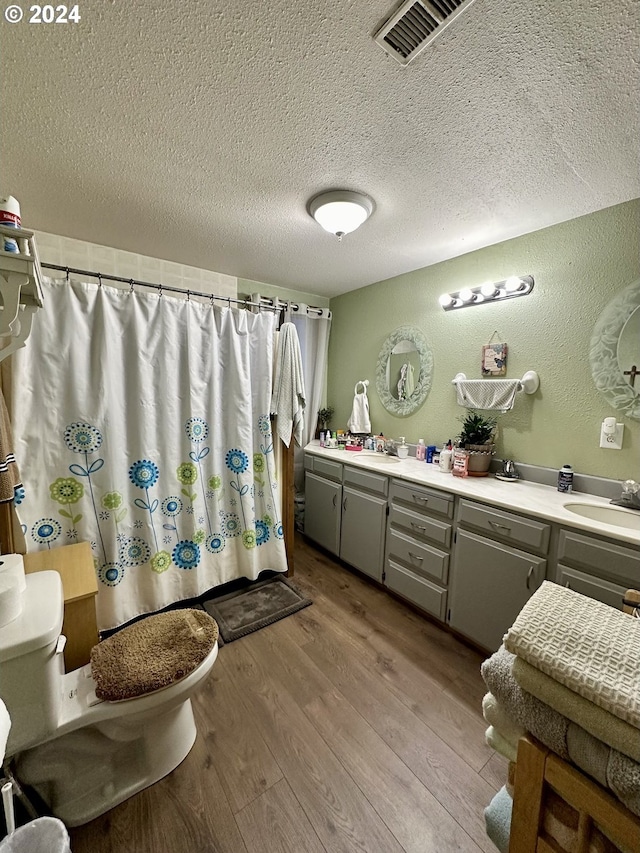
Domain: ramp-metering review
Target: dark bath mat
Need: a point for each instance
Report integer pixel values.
(251, 608)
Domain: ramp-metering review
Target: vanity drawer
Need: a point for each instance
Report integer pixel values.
(599, 557)
(608, 593)
(420, 525)
(523, 532)
(377, 484)
(422, 558)
(421, 498)
(327, 468)
(431, 598)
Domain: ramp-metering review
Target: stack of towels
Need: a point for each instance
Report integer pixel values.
(568, 673)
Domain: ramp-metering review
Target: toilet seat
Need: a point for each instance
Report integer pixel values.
(153, 653)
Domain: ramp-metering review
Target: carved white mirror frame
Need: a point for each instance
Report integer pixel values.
(603, 353)
(402, 408)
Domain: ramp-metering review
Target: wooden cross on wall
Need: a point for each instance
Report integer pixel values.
(632, 374)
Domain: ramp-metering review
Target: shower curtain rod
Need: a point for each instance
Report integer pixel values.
(266, 303)
(247, 303)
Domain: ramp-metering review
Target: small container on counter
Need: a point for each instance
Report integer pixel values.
(421, 450)
(431, 449)
(446, 457)
(565, 479)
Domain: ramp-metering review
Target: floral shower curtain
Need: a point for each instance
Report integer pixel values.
(141, 424)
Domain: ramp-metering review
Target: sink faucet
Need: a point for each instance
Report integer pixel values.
(630, 496)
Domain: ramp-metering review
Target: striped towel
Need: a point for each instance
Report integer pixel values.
(10, 483)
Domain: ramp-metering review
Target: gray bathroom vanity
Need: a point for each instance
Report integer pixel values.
(467, 551)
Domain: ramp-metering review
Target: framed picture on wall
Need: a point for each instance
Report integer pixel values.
(494, 360)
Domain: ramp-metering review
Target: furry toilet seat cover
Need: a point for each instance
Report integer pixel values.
(153, 653)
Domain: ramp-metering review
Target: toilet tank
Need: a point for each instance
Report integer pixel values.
(30, 667)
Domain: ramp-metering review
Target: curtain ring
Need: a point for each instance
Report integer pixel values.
(67, 271)
(159, 291)
(188, 296)
(130, 285)
(211, 300)
(99, 280)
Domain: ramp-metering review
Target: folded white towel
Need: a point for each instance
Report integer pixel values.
(288, 400)
(493, 394)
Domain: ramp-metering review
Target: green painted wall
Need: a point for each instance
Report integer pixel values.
(578, 266)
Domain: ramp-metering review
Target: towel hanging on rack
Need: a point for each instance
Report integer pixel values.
(493, 394)
(359, 420)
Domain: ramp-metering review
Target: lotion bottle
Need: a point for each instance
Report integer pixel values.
(421, 450)
(446, 457)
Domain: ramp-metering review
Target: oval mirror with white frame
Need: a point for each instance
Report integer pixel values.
(404, 370)
(614, 353)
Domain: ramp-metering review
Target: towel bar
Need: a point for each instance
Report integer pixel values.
(529, 383)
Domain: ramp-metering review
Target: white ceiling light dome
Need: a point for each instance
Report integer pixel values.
(340, 211)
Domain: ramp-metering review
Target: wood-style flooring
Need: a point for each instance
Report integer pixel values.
(353, 725)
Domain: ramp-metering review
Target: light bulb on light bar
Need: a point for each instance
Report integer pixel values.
(488, 292)
(512, 284)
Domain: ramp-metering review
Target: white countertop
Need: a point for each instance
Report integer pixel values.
(520, 495)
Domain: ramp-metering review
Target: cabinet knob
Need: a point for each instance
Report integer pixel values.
(415, 556)
(421, 499)
(344, 504)
(335, 501)
(417, 526)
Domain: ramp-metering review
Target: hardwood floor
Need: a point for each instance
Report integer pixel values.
(353, 725)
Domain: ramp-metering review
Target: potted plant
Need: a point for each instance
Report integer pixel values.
(477, 437)
(324, 418)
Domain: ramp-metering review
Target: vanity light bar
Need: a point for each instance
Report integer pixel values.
(489, 292)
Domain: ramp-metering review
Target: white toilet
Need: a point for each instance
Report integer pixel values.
(81, 754)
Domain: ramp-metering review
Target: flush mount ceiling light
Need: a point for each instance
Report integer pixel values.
(488, 292)
(340, 212)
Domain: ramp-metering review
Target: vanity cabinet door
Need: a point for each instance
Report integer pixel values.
(323, 501)
(490, 584)
(363, 531)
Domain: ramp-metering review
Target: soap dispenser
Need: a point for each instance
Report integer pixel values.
(403, 448)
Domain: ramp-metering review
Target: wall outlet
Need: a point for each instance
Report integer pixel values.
(611, 440)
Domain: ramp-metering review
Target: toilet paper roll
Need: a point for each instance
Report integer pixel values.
(13, 565)
(10, 598)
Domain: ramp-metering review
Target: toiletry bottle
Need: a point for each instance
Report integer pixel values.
(421, 450)
(435, 459)
(565, 479)
(446, 457)
(431, 449)
(321, 438)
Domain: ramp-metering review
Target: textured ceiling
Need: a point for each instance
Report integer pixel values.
(198, 131)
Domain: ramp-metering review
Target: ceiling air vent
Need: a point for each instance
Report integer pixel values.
(415, 24)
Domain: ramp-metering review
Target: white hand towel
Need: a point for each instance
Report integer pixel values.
(490, 394)
(359, 420)
(288, 400)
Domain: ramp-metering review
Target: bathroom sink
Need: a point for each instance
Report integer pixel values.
(618, 516)
(382, 457)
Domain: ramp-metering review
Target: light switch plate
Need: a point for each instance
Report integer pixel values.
(613, 441)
